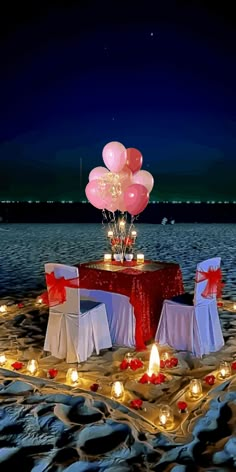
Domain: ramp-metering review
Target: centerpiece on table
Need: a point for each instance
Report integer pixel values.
(121, 190)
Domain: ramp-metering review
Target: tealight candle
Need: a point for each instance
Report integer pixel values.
(107, 257)
(32, 366)
(224, 370)
(140, 258)
(133, 234)
(117, 390)
(234, 306)
(39, 301)
(3, 308)
(2, 359)
(166, 416)
(72, 376)
(195, 388)
(122, 224)
(110, 234)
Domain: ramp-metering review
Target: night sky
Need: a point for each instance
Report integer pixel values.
(74, 78)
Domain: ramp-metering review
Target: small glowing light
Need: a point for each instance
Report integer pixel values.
(154, 361)
(165, 356)
(134, 234)
(224, 370)
(117, 390)
(140, 258)
(3, 308)
(39, 301)
(234, 306)
(72, 376)
(195, 388)
(3, 359)
(32, 366)
(122, 224)
(110, 234)
(166, 416)
(107, 257)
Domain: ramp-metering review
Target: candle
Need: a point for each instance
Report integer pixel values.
(140, 258)
(166, 416)
(224, 370)
(234, 306)
(165, 356)
(72, 376)
(133, 234)
(110, 234)
(154, 361)
(39, 301)
(117, 390)
(122, 224)
(195, 388)
(32, 366)
(107, 257)
(3, 308)
(2, 359)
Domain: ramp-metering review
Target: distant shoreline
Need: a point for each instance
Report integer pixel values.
(78, 212)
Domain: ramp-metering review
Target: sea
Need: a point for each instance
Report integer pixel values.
(25, 248)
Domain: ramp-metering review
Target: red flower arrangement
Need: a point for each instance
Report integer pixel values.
(136, 404)
(17, 365)
(182, 406)
(210, 379)
(134, 364)
(169, 363)
(52, 373)
(94, 387)
(155, 379)
(233, 365)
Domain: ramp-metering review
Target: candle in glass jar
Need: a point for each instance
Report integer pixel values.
(166, 416)
(224, 370)
(234, 306)
(2, 359)
(32, 366)
(110, 234)
(140, 258)
(107, 257)
(72, 376)
(122, 224)
(195, 388)
(133, 234)
(3, 308)
(117, 390)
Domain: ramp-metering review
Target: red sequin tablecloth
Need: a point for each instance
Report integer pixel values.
(146, 285)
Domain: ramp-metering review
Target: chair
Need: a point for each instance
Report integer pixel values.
(196, 327)
(120, 314)
(76, 326)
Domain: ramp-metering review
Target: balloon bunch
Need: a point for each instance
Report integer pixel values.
(121, 185)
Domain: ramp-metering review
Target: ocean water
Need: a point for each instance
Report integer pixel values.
(25, 248)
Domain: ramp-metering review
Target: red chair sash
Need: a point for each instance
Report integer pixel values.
(214, 285)
(56, 289)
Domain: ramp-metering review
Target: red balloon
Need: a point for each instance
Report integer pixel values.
(134, 159)
(136, 198)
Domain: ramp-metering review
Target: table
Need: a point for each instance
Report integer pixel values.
(147, 285)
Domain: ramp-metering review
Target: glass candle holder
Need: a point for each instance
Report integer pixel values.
(195, 388)
(234, 306)
(140, 258)
(122, 225)
(32, 366)
(129, 356)
(110, 234)
(165, 356)
(3, 359)
(3, 308)
(72, 376)
(224, 370)
(117, 390)
(107, 257)
(166, 417)
(133, 234)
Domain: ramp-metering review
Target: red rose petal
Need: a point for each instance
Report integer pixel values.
(162, 364)
(17, 365)
(233, 365)
(182, 406)
(124, 365)
(136, 404)
(52, 373)
(94, 387)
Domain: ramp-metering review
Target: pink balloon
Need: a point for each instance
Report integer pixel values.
(134, 159)
(93, 194)
(136, 198)
(114, 156)
(144, 177)
(111, 206)
(125, 176)
(97, 172)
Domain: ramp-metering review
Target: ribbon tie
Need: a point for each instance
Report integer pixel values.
(56, 289)
(214, 284)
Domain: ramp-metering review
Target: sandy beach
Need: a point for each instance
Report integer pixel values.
(49, 425)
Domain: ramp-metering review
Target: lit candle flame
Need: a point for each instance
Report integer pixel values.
(117, 389)
(154, 361)
(3, 308)
(32, 366)
(2, 359)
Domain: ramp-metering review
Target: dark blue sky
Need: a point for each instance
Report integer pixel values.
(73, 79)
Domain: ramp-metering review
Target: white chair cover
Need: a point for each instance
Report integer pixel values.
(75, 327)
(192, 328)
(120, 314)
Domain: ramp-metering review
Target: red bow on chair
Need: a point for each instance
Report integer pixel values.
(214, 284)
(56, 289)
